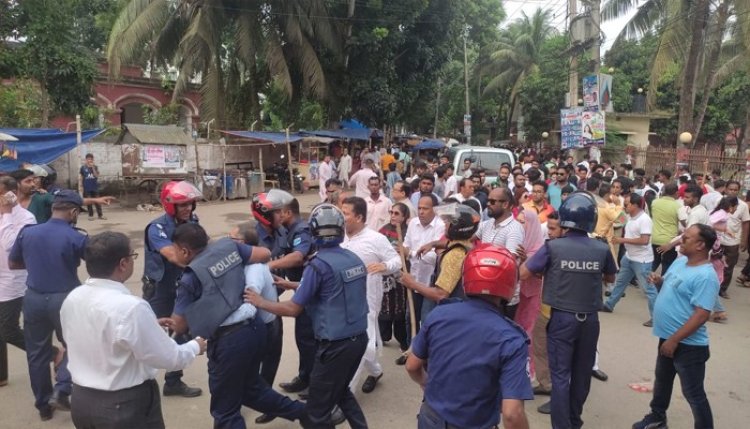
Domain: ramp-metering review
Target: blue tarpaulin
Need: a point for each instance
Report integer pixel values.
(38, 146)
(351, 123)
(264, 136)
(429, 144)
(347, 133)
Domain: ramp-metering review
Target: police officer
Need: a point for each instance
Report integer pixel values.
(334, 293)
(162, 267)
(573, 267)
(298, 247)
(210, 305)
(51, 253)
(495, 367)
(272, 235)
(461, 223)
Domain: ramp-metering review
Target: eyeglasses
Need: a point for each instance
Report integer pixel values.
(395, 212)
(134, 255)
(491, 201)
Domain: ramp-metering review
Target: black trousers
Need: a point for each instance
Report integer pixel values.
(394, 328)
(335, 365)
(10, 332)
(731, 256)
(306, 345)
(272, 353)
(93, 194)
(135, 407)
(664, 259)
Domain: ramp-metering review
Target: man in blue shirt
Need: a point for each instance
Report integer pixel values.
(466, 377)
(688, 293)
(52, 266)
(90, 178)
(333, 292)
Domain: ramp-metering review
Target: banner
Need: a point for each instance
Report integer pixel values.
(162, 156)
(591, 93)
(593, 127)
(570, 128)
(605, 93)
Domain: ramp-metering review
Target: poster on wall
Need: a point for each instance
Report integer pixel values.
(593, 128)
(605, 93)
(153, 156)
(570, 128)
(591, 93)
(173, 156)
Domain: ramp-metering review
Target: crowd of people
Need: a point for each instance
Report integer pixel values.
(400, 248)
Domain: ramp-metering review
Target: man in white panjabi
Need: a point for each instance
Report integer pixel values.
(380, 258)
(325, 172)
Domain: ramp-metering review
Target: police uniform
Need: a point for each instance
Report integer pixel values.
(334, 293)
(160, 276)
(209, 297)
(299, 239)
(276, 242)
(497, 366)
(52, 266)
(573, 266)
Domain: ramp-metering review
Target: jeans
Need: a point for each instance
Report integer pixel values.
(664, 259)
(10, 332)
(93, 194)
(41, 318)
(628, 270)
(234, 378)
(689, 362)
(571, 346)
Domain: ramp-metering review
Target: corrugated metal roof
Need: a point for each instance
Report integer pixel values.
(159, 134)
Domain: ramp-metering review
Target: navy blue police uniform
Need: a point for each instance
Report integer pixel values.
(572, 266)
(299, 239)
(160, 277)
(52, 266)
(276, 242)
(209, 293)
(333, 292)
(497, 366)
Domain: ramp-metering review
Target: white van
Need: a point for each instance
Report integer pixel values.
(489, 158)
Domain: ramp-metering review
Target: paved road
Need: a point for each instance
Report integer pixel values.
(628, 353)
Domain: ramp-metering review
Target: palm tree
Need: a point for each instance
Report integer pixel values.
(516, 55)
(232, 46)
(694, 32)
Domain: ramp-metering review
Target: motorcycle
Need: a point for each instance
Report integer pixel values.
(281, 173)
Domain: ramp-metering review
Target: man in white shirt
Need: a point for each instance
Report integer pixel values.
(359, 180)
(380, 259)
(345, 167)
(399, 194)
(451, 184)
(424, 229)
(466, 191)
(711, 199)
(13, 217)
(502, 229)
(638, 255)
(325, 172)
(466, 171)
(378, 205)
(734, 240)
(115, 344)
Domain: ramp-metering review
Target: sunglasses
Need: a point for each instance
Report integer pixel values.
(395, 212)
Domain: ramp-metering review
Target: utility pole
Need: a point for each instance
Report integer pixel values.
(573, 80)
(467, 116)
(596, 17)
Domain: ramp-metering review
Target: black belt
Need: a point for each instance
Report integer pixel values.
(148, 383)
(228, 329)
(353, 337)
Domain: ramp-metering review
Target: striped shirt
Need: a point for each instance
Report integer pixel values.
(508, 233)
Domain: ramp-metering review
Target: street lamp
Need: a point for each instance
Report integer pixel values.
(611, 70)
(686, 138)
(545, 135)
(640, 90)
(580, 101)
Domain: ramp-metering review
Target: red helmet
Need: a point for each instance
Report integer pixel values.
(265, 203)
(490, 270)
(180, 192)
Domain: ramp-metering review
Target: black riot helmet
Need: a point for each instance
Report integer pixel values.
(579, 211)
(327, 225)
